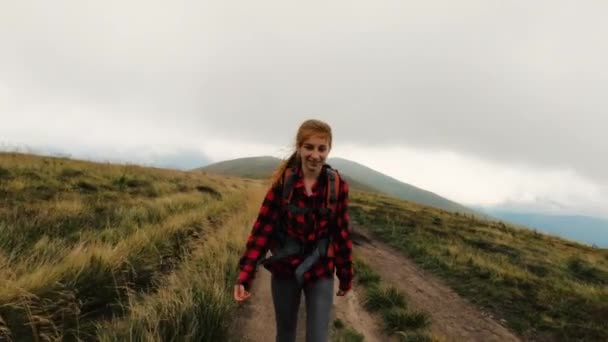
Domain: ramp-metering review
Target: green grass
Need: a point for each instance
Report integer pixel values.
(92, 250)
(391, 304)
(365, 275)
(397, 319)
(546, 288)
(342, 333)
(99, 251)
(377, 298)
(415, 337)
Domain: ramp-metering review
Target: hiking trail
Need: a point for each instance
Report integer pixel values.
(453, 318)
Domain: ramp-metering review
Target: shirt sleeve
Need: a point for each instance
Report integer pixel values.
(343, 242)
(258, 241)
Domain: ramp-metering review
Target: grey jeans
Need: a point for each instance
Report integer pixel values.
(286, 296)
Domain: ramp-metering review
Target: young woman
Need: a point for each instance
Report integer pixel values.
(304, 221)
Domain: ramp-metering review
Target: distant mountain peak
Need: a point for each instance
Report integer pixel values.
(358, 175)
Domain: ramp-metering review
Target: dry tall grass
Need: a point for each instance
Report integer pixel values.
(193, 303)
(94, 251)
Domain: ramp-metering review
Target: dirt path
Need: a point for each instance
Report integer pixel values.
(453, 318)
(259, 325)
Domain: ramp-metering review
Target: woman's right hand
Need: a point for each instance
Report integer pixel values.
(240, 294)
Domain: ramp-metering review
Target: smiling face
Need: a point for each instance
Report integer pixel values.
(313, 152)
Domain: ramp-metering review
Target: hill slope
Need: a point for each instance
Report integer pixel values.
(116, 252)
(360, 177)
(544, 287)
(99, 251)
(250, 167)
(394, 187)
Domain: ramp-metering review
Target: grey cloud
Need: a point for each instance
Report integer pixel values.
(516, 81)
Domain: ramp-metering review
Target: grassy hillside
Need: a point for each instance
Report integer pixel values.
(546, 288)
(263, 168)
(396, 188)
(251, 167)
(92, 251)
(360, 177)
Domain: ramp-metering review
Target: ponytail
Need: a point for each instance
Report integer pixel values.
(277, 175)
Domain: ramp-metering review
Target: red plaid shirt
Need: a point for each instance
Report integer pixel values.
(306, 228)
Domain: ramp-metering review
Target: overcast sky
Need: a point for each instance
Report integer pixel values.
(483, 102)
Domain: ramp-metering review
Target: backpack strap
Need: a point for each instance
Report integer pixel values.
(289, 178)
(286, 245)
(333, 184)
(333, 189)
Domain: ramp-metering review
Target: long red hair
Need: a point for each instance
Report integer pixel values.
(306, 130)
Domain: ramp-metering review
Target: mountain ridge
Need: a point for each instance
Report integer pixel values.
(358, 175)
